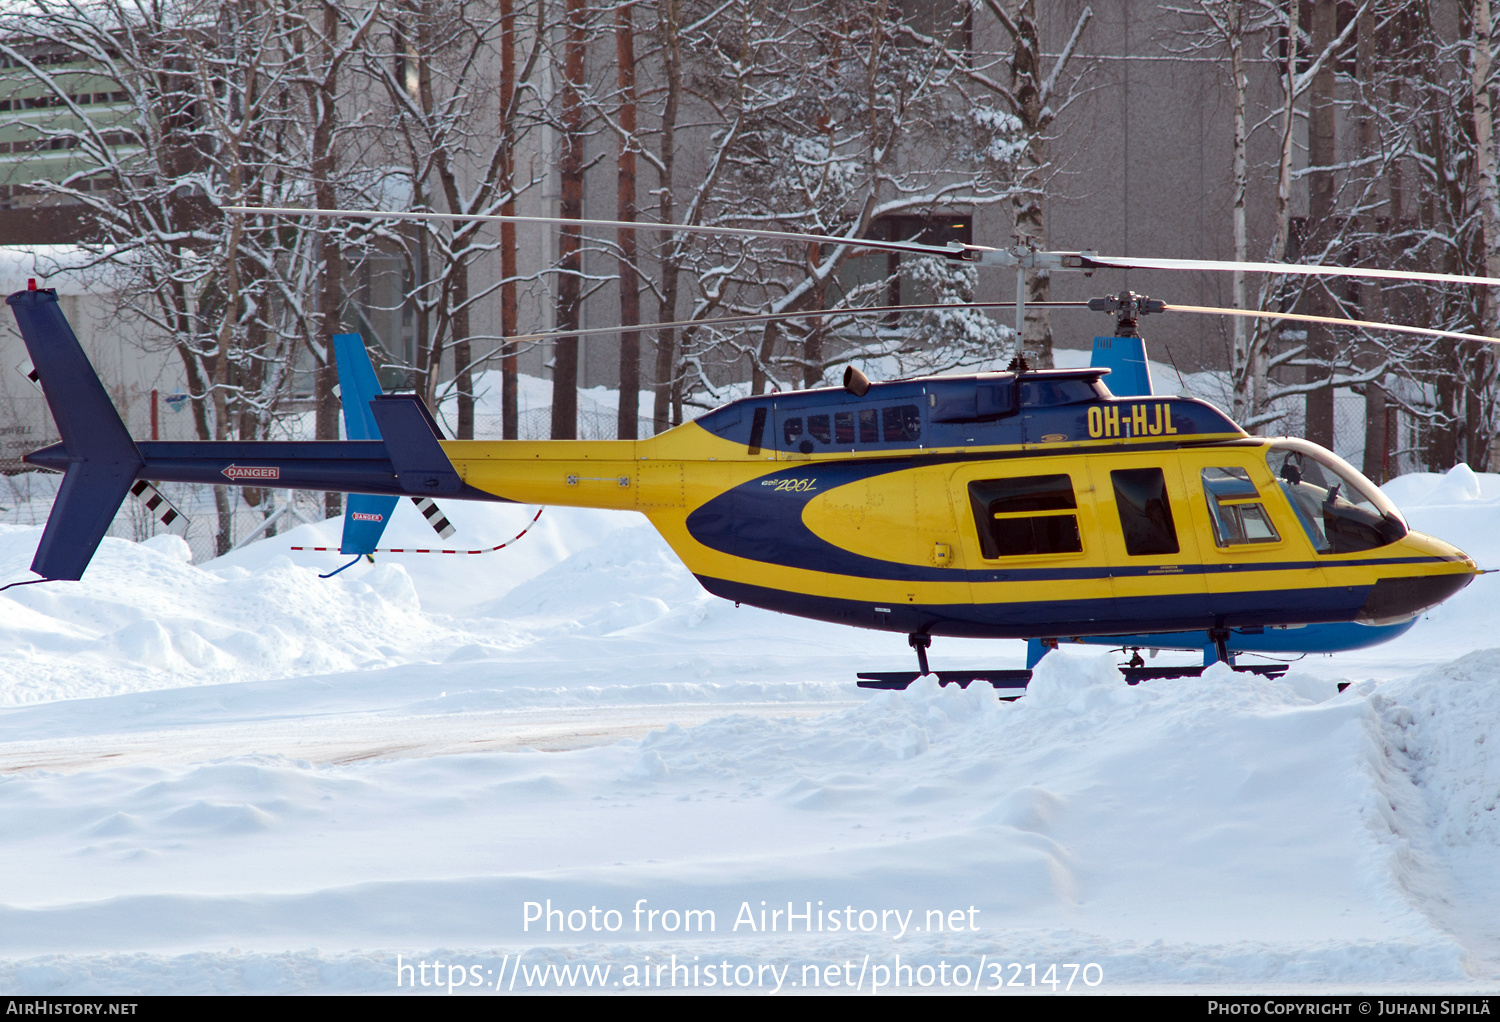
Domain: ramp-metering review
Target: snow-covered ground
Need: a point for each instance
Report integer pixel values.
(240, 777)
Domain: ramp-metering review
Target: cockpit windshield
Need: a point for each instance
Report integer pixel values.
(1341, 511)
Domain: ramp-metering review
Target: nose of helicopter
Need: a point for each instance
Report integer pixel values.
(1442, 570)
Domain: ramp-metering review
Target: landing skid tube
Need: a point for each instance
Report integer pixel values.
(963, 679)
(1136, 675)
(1013, 682)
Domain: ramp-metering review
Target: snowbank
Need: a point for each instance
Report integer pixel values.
(243, 756)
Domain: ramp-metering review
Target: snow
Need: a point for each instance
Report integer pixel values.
(69, 269)
(237, 777)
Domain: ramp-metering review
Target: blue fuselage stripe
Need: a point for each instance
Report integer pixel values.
(759, 522)
(1064, 618)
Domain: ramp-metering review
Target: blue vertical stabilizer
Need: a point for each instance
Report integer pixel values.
(365, 515)
(1125, 357)
(97, 455)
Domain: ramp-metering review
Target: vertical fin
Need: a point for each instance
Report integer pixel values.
(365, 515)
(101, 459)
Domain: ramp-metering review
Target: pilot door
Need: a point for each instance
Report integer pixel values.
(1257, 555)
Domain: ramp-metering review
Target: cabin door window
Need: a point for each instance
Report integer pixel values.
(1026, 515)
(1145, 511)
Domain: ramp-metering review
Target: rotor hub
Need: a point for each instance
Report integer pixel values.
(1128, 307)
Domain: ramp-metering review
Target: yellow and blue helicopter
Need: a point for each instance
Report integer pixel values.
(1052, 505)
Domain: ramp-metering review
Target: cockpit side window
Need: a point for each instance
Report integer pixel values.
(1336, 512)
(1235, 508)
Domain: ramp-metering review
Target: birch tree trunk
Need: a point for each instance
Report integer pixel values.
(1480, 359)
(1027, 208)
(324, 108)
(1242, 370)
(1318, 426)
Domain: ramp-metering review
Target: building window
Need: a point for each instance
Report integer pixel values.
(883, 269)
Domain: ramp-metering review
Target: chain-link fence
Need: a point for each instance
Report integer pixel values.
(26, 495)
(26, 499)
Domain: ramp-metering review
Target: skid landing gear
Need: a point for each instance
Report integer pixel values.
(1136, 675)
(1008, 681)
(1012, 683)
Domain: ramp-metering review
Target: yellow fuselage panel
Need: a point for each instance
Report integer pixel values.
(920, 516)
(899, 516)
(631, 475)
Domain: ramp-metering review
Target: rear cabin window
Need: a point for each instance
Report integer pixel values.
(901, 423)
(1235, 508)
(1145, 513)
(1025, 516)
(817, 428)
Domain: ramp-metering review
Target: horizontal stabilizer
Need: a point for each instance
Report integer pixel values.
(101, 459)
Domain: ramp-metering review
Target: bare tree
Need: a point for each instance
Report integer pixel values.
(838, 122)
(205, 110)
(570, 239)
(1034, 97)
(627, 424)
(429, 62)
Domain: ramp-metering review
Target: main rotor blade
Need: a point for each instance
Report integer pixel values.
(770, 317)
(981, 255)
(1335, 321)
(1294, 269)
(953, 250)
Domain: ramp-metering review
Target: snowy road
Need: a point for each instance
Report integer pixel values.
(240, 777)
(351, 737)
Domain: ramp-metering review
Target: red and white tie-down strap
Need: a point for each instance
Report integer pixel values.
(413, 550)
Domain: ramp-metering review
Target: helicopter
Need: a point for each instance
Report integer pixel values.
(1049, 505)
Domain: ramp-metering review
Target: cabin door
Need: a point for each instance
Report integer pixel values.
(1150, 542)
(1031, 543)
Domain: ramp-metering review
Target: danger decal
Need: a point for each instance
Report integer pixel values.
(252, 472)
